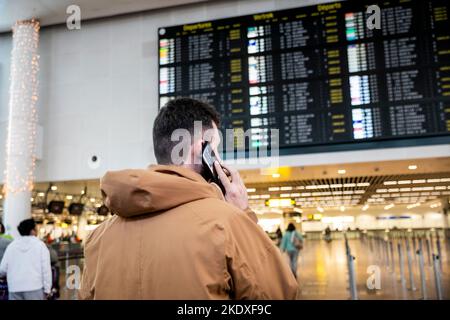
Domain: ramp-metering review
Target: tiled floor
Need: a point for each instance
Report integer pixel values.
(323, 272)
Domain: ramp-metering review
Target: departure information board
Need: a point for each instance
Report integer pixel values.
(318, 74)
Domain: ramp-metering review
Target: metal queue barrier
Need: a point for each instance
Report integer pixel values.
(351, 270)
(66, 259)
(412, 286)
(437, 276)
(401, 264)
(410, 248)
(423, 281)
(412, 245)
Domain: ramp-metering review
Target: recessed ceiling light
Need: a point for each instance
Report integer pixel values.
(349, 185)
(363, 184)
(69, 197)
(412, 167)
(342, 171)
(413, 205)
(54, 188)
(276, 175)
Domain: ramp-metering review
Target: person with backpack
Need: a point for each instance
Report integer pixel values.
(292, 243)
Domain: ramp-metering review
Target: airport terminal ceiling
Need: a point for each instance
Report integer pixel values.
(407, 186)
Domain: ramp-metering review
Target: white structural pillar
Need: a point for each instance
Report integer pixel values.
(22, 121)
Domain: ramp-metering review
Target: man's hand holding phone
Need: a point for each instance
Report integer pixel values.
(236, 192)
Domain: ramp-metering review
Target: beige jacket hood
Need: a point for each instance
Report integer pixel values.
(130, 193)
(174, 237)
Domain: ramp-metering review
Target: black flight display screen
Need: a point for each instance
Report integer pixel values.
(318, 74)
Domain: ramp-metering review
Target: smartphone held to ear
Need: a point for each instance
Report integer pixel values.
(208, 158)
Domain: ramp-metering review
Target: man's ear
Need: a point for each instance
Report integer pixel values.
(194, 153)
(197, 151)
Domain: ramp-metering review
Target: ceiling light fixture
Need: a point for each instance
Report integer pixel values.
(411, 206)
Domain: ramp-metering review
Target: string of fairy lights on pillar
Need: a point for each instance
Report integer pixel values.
(22, 122)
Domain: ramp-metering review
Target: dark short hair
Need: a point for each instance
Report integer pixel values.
(2, 228)
(180, 113)
(291, 227)
(26, 226)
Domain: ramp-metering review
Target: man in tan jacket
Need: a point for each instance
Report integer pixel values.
(176, 236)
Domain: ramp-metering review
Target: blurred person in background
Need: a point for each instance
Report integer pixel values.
(3, 233)
(4, 240)
(54, 261)
(26, 265)
(279, 236)
(292, 243)
(328, 234)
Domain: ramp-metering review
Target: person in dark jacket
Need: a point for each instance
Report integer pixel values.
(279, 236)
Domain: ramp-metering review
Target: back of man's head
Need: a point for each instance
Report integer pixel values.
(26, 226)
(179, 113)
